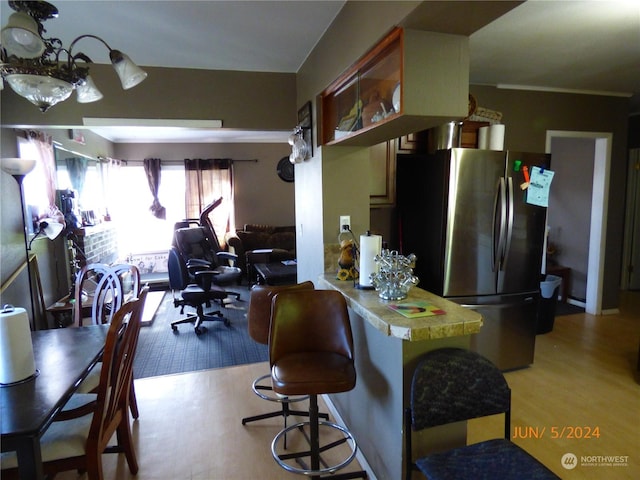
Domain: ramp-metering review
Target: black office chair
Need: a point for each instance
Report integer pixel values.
(452, 385)
(194, 289)
(200, 252)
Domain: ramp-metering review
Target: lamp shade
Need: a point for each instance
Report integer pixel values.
(51, 228)
(41, 90)
(88, 92)
(17, 166)
(130, 74)
(20, 37)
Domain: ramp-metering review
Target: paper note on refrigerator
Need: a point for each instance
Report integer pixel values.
(539, 185)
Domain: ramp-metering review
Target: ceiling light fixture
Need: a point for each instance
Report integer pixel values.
(41, 70)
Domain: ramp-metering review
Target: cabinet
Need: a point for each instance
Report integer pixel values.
(410, 81)
(382, 163)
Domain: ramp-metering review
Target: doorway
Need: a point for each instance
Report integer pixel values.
(598, 211)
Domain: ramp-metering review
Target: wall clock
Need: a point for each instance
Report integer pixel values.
(285, 169)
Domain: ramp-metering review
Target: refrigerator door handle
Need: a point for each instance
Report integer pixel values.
(509, 232)
(499, 220)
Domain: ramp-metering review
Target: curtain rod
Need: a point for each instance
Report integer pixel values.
(181, 162)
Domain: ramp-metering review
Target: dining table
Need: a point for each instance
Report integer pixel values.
(63, 358)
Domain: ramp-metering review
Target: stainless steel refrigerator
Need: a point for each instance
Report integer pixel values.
(478, 242)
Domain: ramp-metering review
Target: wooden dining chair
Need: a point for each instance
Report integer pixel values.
(105, 288)
(78, 437)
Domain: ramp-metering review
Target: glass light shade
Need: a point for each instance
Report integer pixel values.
(88, 92)
(130, 74)
(20, 37)
(17, 166)
(41, 90)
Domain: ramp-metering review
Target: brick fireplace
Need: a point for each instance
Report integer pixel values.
(99, 244)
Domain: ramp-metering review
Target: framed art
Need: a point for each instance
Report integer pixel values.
(77, 136)
(304, 120)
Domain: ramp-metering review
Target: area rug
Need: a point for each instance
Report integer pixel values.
(161, 351)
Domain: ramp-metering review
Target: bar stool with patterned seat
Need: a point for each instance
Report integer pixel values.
(311, 353)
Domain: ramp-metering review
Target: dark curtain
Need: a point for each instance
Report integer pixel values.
(77, 168)
(152, 170)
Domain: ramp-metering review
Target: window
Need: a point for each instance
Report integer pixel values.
(92, 197)
(138, 230)
(36, 197)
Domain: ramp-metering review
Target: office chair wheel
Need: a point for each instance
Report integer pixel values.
(200, 330)
(174, 328)
(227, 323)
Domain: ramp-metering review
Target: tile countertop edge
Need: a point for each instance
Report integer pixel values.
(457, 321)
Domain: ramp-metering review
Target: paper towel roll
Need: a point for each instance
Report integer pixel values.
(16, 349)
(370, 246)
(496, 137)
(483, 138)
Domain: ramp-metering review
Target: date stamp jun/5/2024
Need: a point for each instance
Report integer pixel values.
(557, 432)
(579, 433)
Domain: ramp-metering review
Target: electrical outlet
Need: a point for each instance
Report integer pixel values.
(345, 222)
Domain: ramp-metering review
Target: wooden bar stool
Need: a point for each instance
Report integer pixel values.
(311, 353)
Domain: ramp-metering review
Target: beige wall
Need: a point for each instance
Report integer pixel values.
(344, 183)
(248, 100)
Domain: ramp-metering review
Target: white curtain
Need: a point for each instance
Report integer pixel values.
(110, 171)
(40, 184)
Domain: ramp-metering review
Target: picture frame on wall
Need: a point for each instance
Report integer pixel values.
(305, 121)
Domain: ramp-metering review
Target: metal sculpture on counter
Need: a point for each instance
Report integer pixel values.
(394, 277)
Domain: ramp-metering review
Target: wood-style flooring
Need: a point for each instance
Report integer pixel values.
(584, 377)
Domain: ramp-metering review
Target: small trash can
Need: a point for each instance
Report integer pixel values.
(549, 289)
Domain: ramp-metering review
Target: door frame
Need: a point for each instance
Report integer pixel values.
(599, 206)
(632, 217)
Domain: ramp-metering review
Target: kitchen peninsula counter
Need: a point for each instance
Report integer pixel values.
(457, 321)
(388, 347)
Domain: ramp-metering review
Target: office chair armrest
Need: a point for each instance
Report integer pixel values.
(198, 263)
(227, 256)
(204, 278)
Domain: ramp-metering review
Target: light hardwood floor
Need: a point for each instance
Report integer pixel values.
(584, 375)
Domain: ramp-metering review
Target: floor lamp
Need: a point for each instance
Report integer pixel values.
(18, 168)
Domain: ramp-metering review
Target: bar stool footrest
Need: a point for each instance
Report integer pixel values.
(258, 389)
(347, 437)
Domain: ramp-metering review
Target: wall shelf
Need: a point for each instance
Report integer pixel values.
(410, 81)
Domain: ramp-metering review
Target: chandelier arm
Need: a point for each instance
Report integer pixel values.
(50, 78)
(88, 35)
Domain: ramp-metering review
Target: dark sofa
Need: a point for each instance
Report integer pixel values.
(262, 244)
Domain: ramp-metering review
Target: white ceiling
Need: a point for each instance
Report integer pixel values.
(591, 46)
